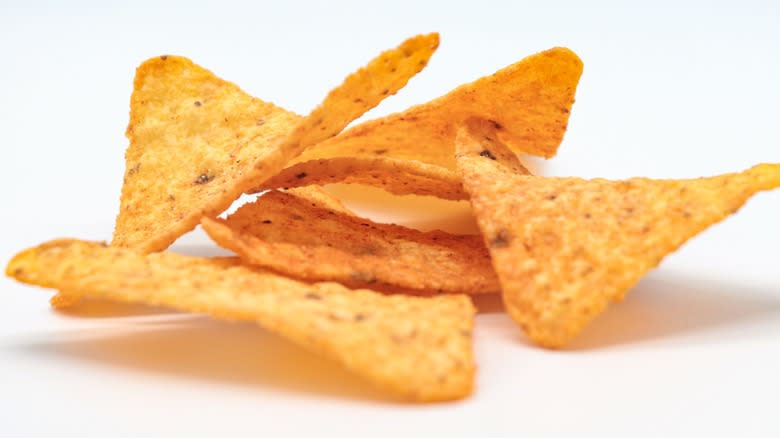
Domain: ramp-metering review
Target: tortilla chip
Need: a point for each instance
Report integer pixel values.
(318, 197)
(564, 248)
(197, 142)
(64, 300)
(397, 176)
(290, 236)
(417, 348)
(529, 102)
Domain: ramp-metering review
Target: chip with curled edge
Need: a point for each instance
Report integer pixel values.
(417, 348)
(564, 248)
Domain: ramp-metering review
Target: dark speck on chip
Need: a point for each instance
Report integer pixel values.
(501, 240)
(204, 178)
(487, 154)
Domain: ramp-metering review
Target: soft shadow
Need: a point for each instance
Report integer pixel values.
(665, 305)
(488, 303)
(97, 308)
(202, 349)
(200, 250)
(535, 165)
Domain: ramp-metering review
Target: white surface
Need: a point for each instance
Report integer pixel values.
(667, 91)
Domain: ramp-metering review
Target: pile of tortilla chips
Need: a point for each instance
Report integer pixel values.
(387, 302)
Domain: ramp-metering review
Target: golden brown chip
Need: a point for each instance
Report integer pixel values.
(529, 103)
(197, 142)
(564, 248)
(318, 197)
(290, 236)
(64, 300)
(417, 348)
(397, 176)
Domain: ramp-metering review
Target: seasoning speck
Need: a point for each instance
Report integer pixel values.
(487, 154)
(501, 240)
(204, 178)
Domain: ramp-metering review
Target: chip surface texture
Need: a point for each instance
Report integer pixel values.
(416, 348)
(529, 102)
(198, 142)
(564, 248)
(285, 233)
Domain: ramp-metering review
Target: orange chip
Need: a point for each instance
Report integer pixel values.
(290, 236)
(197, 142)
(528, 102)
(397, 176)
(417, 348)
(564, 248)
(318, 197)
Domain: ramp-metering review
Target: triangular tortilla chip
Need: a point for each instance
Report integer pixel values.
(397, 176)
(529, 102)
(564, 248)
(289, 235)
(197, 142)
(417, 348)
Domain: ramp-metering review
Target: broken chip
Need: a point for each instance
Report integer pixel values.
(290, 236)
(564, 248)
(528, 102)
(212, 142)
(417, 348)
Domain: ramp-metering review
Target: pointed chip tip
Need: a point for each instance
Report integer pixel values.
(14, 267)
(768, 175)
(565, 52)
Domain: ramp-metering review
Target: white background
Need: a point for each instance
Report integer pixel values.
(668, 91)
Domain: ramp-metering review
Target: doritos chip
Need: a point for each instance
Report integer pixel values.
(564, 248)
(397, 176)
(64, 300)
(417, 348)
(197, 142)
(318, 197)
(290, 236)
(315, 195)
(528, 102)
